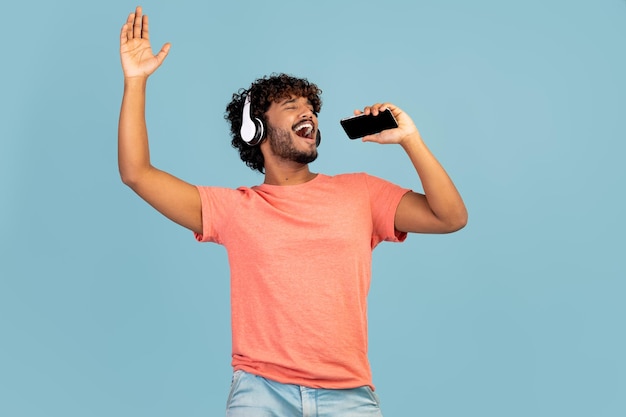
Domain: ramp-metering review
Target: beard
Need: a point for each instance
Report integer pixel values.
(282, 146)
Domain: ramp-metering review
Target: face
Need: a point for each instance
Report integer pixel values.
(292, 130)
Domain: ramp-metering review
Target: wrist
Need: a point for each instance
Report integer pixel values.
(137, 84)
(138, 80)
(410, 140)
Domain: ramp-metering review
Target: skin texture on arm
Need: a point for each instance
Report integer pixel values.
(440, 209)
(174, 198)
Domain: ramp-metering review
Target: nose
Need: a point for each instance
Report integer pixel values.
(306, 112)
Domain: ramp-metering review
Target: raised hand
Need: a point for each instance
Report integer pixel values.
(135, 50)
(406, 128)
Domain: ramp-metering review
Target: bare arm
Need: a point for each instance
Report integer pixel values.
(440, 209)
(176, 199)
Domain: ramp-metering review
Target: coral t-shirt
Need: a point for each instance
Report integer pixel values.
(300, 262)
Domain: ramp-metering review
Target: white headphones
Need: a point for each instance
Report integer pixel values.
(252, 130)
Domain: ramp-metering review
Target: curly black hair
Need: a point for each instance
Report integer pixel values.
(264, 91)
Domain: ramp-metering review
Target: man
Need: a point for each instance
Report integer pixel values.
(299, 245)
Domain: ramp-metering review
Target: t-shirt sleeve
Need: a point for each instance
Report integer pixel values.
(217, 208)
(384, 199)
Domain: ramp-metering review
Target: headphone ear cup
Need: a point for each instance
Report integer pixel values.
(260, 132)
(252, 130)
(318, 138)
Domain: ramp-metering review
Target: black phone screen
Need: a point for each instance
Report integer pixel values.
(362, 125)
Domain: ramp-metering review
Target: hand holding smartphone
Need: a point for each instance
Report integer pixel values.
(363, 125)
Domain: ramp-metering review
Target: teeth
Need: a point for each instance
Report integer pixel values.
(307, 126)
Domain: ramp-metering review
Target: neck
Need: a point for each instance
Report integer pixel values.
(288, 175)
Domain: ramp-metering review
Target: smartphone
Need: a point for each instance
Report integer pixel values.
(362, 125)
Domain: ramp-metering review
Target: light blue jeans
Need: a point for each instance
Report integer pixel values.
(255, 396)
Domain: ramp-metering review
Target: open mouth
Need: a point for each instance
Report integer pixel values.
(304, 130)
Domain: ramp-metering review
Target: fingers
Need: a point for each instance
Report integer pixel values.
(137, 23)
(163, 53)
(136, 26)
(126, 33)
(374, 109)
(144, 28)
(123, 37)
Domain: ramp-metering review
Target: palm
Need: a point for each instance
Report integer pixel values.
(135, 50)
(137, 58)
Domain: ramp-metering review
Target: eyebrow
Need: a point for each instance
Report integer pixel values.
(293, 100)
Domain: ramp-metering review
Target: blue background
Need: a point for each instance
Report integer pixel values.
(108, 309)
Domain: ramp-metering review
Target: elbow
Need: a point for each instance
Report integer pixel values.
(130, 178)
(133, 173)
(452, 221)
(127, 179)
(457, 222)
(456, 226)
